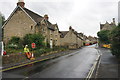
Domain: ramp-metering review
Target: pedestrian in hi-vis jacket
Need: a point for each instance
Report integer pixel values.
(27, 52)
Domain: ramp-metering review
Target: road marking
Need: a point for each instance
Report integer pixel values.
(29, 63)
(90, 47)
(98, 67)
(92, 68)
(24, 64)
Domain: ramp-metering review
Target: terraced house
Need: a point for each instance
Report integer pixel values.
(108, 26)
(23, 21)
(71, 39)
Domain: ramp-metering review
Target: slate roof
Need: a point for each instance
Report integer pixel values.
(63, 33)
(101, 26)
(50, 26)
(37, 18)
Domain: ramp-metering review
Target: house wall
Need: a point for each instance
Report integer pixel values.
(51, 35)
(18, 25)
(69, 39)
(21, 24)
(56, 36)
(79, 42)
(107, 27)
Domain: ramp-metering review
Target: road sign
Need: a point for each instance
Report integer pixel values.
(33, 45)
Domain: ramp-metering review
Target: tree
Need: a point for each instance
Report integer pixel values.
(38, 39)
(104, 36)
(115, 41)
(2, 19)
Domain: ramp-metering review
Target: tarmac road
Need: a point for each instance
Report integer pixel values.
(74, 65)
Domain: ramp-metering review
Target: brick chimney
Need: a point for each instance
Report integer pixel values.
(21, 3)
(46, 17)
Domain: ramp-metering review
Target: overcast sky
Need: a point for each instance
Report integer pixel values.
(83, 15)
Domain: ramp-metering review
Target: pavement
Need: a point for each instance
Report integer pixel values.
(108, 67)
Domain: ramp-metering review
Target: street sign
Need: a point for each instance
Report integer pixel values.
(33, 45)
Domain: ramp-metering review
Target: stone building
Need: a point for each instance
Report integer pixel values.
(108, 26)
(23, 21)
(92, 40)
(71, 39)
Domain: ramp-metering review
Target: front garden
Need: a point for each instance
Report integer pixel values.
(15, 48)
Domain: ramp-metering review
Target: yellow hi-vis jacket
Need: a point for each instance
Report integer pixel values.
(26, 50)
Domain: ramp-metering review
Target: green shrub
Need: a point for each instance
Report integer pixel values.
(39, 52)
(14, 43)
(115, 41)
(104, 36)
(38, 39)
(13, 46)
(14, 40)
(14, 51)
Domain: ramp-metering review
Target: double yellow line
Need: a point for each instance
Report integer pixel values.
(14, 67)
(92, 68)
(25, 64)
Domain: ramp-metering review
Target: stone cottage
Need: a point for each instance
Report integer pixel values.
(108, 26)
(70, 39)
(23, 21)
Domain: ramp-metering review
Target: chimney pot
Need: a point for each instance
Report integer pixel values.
(21, 3)
(113, 19)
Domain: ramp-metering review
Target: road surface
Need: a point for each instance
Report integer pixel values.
(74, 65)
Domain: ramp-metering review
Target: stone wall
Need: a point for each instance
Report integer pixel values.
(18, 25)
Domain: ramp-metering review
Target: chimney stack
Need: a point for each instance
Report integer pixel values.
(46, 17)
(70, 27)
(21, 3)
(114, 20)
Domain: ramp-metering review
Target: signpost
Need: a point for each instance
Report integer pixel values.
(33, 45)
